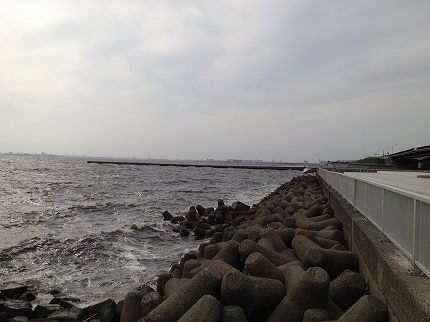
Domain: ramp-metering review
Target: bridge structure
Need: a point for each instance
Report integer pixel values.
(415, 158)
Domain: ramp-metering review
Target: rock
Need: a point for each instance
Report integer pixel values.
(12, 289)
(3, 316)
(18, 319)
(233, 313)
(211, 219)
(65, 301)
(219, 219)
(239, 207)
(177, 219)
(258, 265)
(150, 301)
(54, 292)
(27, 296)
(167, 216)
(192, 214)
(162, 278)
(176, 305)
(305, 289)
(314, 314)
(67, 315)
(16, 308)
(314, 211)
(132, 309)
(367, 309)
(237, 288)
(184, 231)
(221, 203)
(199, 232)
(201, 211)
(103, 311)
(347, 288)
(119, 307)
(42, 311)
(207, 309)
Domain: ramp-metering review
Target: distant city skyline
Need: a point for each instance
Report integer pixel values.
(288, 80)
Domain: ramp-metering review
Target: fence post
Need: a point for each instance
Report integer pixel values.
(415, 269)
(382, 209)
(365, 199)
(355, 192)
(414, 223)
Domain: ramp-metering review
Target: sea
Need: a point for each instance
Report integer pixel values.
(66, 224)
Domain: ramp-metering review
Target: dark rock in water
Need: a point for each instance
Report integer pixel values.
(71, 314)
(204, 225)
(192, 214)
(228, 216)
(210, 210)
(103, 311)
(176, 229)
(161, 281)
(239, 207)
(221, 203)
(177, 219)
(18, 319)
(222, 210)
(12, 289)
(219, 219)
(54, 292)
(150, 301)
(42, 311)
(199, 232)
(217, 237)
(201, 210)
(211, 219)
(118, 311)
(27, 296)
(132, 309)
(65, 302)
(16, 308)
(145, 288)
(184, 231)
(167, 216)
(190, 224)
(187, 256)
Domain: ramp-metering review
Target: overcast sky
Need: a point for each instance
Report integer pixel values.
(285, 80)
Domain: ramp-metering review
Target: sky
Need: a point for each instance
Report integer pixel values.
(287, 80)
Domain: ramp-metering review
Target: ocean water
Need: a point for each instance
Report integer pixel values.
(66, 224)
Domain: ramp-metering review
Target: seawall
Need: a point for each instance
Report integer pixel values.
(384, 266)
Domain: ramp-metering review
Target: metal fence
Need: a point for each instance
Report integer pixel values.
(403, 216)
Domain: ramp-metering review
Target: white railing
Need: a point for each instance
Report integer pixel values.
(403, 216)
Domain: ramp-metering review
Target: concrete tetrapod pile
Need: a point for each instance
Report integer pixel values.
(281, 260)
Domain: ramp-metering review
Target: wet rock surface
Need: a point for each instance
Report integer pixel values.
(282, 259)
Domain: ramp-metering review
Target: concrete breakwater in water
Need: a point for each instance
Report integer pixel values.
(282, 259)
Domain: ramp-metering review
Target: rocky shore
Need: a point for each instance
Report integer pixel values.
(280, 260)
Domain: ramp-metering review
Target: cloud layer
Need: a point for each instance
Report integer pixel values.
(291, 80)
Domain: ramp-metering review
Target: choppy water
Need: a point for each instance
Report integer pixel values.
(66, 224)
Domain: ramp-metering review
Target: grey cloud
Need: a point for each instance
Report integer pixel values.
(293, 80)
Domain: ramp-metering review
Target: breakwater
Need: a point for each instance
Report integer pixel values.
(261, 166)
(283, 258)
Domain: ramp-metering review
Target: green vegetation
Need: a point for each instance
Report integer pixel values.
(372, 160)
